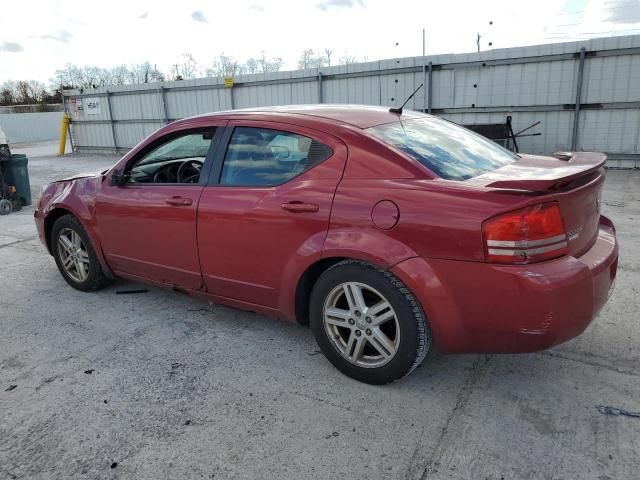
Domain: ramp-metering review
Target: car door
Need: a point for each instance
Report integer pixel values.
(147, 225)
(267, 205)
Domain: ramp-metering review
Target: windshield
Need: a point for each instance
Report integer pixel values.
(448, 150)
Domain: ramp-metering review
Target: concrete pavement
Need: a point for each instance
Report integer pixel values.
(160, 385)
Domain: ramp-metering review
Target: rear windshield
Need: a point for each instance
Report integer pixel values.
(448, 150)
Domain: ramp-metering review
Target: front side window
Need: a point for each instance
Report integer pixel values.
(265, 157)
(177, 160)
(448, 150)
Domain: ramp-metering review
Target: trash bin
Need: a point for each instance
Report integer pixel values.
(16, 173)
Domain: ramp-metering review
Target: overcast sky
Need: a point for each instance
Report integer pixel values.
(40, 36)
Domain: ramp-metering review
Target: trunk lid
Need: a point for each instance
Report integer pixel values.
(574, 180)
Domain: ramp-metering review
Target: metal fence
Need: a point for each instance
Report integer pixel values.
(586, 95)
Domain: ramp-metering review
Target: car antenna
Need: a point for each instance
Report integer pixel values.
(399, 110)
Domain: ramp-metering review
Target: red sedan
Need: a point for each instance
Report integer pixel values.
(385, 231)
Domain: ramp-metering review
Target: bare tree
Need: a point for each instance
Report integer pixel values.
(347, 59)
(65, 75)
(319, 61)
(327, 53)
(156, 75)
(263, 62)
(252, 65)
(118, 75)
(312, 59)
(8, 93)
(74, 76)
(82, 77)
(224, 66)
(175, 72)
(23, 92)
(93, 77)
(307, 59)
(6, 96)
(189, 66)
(35, 90)
(269, 64)
(140, 72)
(275, 64)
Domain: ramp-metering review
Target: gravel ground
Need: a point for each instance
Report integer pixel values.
(160, 385)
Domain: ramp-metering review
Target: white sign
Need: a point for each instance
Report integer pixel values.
(92, 105)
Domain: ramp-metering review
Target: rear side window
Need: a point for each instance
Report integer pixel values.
(265, 157)
(448, 150)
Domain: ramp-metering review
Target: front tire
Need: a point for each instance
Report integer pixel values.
(367, 323)
(75, 257)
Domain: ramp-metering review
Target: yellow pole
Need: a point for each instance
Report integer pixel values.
(63, 134)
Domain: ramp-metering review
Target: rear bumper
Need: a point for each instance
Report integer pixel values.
(480, 307)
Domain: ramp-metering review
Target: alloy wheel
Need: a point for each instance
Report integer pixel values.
(73, 254)
(361, 324)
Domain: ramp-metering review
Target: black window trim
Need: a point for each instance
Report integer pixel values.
(205, 173)
(221, 153)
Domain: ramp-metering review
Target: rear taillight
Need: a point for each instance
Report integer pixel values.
(528, 235)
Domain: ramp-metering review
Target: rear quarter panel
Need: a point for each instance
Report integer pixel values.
(437, 219)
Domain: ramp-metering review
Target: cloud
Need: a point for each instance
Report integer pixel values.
(622, 11)
(12, 47)
(256, 7)
(328, 4)
(143, 16)
(198, 16)
(62, 36)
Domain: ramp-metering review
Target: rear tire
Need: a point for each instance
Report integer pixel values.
(367, 323)
(75, 257)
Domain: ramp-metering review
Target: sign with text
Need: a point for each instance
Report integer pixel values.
(73, 104)
(92, 106)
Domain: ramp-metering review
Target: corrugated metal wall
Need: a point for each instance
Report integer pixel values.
(536, 83)
(31, 127)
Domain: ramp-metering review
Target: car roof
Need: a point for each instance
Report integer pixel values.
(361, 116)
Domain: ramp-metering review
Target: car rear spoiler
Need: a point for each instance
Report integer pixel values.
(541, 174)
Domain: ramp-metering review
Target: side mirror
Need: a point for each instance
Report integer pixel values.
(118, 178)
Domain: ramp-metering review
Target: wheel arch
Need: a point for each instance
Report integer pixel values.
(376, 249)
(305, 285)
(310, 275)
(59, 211)
(50, 220)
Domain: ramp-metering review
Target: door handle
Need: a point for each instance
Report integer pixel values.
(299, 207)
(179, 201)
